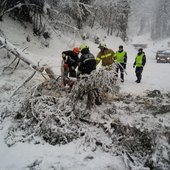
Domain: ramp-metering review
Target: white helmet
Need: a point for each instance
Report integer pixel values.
(102, 45)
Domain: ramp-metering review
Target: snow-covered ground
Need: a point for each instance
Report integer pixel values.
(24, 156)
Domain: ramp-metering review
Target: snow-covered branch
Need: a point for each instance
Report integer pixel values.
(70, 26)
(17, 52)
(22, 56)
(19, 5)
(86, 6)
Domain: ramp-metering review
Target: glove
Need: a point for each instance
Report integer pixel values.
(64, 56)
(65, 66)
(133, 66)
(124, 66)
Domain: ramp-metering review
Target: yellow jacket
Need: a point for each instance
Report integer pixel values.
(107, 57)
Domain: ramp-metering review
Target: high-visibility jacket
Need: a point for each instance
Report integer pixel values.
(106, 56)
(139, 60)
(120, 57)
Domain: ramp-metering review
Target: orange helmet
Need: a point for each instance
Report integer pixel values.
(76, 50)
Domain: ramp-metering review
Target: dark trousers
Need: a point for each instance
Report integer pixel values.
(72, 73)
(69, 72)
(121, 67)
(138, 72)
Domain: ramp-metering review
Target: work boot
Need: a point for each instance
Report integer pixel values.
(137, 81)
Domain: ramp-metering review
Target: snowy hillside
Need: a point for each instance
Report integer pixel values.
(130, 130)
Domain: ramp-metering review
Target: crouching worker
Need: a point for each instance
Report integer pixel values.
(70, 62)
(87, 62)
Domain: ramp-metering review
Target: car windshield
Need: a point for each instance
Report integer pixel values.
(163, 53)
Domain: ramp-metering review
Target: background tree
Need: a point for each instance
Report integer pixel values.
(121, 18)
(110, 14)
(24, 10)
(161, 26)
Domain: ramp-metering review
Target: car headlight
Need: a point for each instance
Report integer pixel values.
(168, 58)
(157, 58)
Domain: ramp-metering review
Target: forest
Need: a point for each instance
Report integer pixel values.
(114, 16)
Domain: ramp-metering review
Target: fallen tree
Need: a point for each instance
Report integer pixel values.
(65, 118)
(21, 56)
(57, 121)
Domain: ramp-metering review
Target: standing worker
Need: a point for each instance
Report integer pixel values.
(71, 61)
(121, 58)
(105, 55)
(139, 63)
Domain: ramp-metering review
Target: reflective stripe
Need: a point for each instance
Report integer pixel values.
(106, 55)
(98, 59)
(88, 59)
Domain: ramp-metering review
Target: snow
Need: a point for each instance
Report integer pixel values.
(21, 156)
